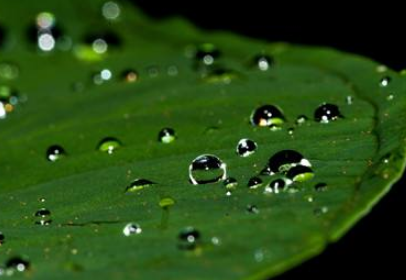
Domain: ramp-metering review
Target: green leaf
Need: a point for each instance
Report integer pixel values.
(90, 188)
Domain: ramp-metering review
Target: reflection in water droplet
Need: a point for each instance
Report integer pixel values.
(111, 10)
(301, 119)
(207, 169)
(130, 76)
(109, 145)
(300, 173)
(43, 217)
(246, 147)
(254, 183)
(230, 183)
(2, 238)
(16, 265)
(284, 160)
(189, 239)
(326, 113)
(132, 229)
(263, 62)
(320, 187)
(139, 184)
(9, 71)
(275, 186)
(55, 152)
(385, 81)
(167, 135)
(252, 209)
(267, 115)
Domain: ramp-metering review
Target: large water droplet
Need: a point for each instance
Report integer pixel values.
(284, 160)
(109, 145)
(166, 135)
(326, 113)
(139, 184)
(43, 217)
(132, 229)
(207, 169)
(16, 265)
(267, 115)
(189, 239)
(55, 152)
(275, 186)
(246, 147)
(254, 183)
(300, 173)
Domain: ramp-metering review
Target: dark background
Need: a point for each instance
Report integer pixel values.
(376, 245)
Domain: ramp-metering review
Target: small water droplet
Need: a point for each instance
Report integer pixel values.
(291, 131)
(130, 76)
(349, 99)
(206, 54)
(167, 135)
(326, 113)
(390, 97)
(172, 71)
(2, 238)
(139, 184)
(259, 255)
(300, 173)
(110, 38)
(300, 120)
(102, 77)
(246, 147)
(252, 209)
(16, 265)
(153, 71)
(41, 199)
(206, 169)
(275, 186)
(230, 183)
(215, 241)
(385, 81)
(320, 187)
(111, 10)
(219, 75)
(263, 62)
(284, 160)
(43, 217)
(132, 229)
(189, 239)
(109, 145)
(267, 115)
(55, 152)
(254, 183)
(166, 202)
(320, 211)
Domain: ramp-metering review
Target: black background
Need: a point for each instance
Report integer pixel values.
(376, 245)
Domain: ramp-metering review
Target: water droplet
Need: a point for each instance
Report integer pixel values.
(9, 71)
(385, 81)
(2, 238)
(349, 99)
(132, 229)
(320, 187)
(111, 10)
(207, 53)
(139, 184)
(215, 241)
(275, 186)
(55, 152)
(207, 169)
(326, 113)
(189, 239)
(172, 71)
(300, 173)
(390, 97)
(246, 147)
(100, 46)
(267, 115)
(166, 202)
(230, 183)
(301, 119)
(101, 77)
(43, 217)
(219, 75)
(254, 183)
(320, 211)
(252, 209)
(110, 38)
(16, 265)
(109, 145)
(263, 62)
(291, 130)
(130, 76)
(284, 160)
(167, 135)
(259, 255)
(309, 198)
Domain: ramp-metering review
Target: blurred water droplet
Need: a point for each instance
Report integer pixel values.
(215, 241)
(309, 198)
(130, 76)
(153, 71)
(132, 229)
(111, 10)
(326, 113)
(219, 75)
(101, 77)
(320, 187)
(390, 97)
(100, 46)
(9, 71)
(206, 169)
(301, 119)
(300, 173)
(267, 115)
(8, 100)
(166, 202)
(284, 160)
(189, 239)
(206, 54)
(139, 184)
(291, 130)
(109, 145)
(275, 186)
(254, 183)
(2, 238)
(381, 68)
(172, 70)
(252, 209)
(230, 183)
(349, 99)
(16, 265)
(385, 81)
(246, 147)
(259, 255)
(55, 152)
(263, 62)
(43, 217)
(167, 135)
(320, 211)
